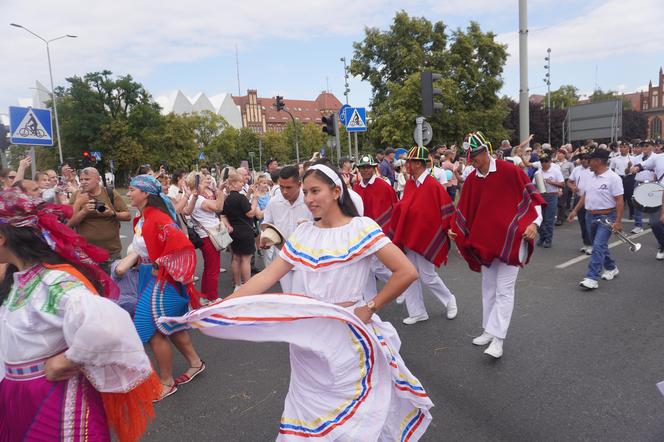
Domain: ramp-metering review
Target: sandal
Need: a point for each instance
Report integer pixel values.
(184, 378)
(172, 389)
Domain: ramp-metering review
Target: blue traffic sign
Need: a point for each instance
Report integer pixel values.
(96, 155)
(30, 126)
(356, 119)
(342, 113)
(201, 156)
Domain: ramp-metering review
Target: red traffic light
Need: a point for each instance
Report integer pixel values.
(86, 154)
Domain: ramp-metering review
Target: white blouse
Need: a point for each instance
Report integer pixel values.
(50, 311)
(334, 264)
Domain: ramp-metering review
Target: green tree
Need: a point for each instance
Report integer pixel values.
(470, 61)
(565, 96)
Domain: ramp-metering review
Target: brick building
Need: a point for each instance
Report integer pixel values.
(259, 115)
(652, 104)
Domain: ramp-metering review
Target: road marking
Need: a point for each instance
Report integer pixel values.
(123, 236)
(611, 245)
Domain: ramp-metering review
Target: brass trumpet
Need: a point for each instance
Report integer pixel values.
(633, 246)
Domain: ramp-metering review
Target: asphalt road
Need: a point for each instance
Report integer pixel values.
(577, 365)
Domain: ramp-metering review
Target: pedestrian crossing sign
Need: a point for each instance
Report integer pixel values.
(356, 119)
(30, 126)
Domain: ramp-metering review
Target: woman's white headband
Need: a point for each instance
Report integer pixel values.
(331, 174)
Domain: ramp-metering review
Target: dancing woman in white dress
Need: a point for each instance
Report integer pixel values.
(348, 381)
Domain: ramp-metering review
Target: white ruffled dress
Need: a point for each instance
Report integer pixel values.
(348, 382)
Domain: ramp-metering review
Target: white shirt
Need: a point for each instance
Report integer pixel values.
(579, 176)
(440, 175)
(655, 163)
(644, 175)
(203, 218)
(601, 190)
(357, 200)
(371, 181)
(555, 174)
(286, 216)
(174, 192)
(619, 163)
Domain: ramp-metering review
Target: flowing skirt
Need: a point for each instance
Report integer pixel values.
(348, 382)
(35, 409)
(156, 299)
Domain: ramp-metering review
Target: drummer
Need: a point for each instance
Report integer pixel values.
(603, 200)
(654, 164)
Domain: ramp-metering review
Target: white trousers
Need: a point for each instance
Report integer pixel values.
(381, 273)
(430, 279)
(498, 281)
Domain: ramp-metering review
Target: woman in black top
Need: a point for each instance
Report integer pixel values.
(240, 213)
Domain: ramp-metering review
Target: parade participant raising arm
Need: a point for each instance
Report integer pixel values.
(71, 360)
(494, 227)
(330, 396)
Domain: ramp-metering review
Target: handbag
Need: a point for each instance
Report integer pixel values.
(219, 237)
(193, 235)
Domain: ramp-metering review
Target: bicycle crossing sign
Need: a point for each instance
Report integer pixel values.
(356, 119)
(30, 126)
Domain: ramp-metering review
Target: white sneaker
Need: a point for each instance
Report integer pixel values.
(589, 250)
(582, 249)
(452, 309)
(483, 339)
(589, 283)
(196, 278)
(495, 349)
(660, 254)
(237, 287)
(222, 270)
(636, 229)
(401, 299)
(415, 319)
(610, 274)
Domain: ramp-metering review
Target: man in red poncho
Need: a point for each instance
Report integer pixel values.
(494, 227)
(419, 226)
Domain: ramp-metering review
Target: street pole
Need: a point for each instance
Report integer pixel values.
(335, 120)
(260, 153)
(524, 108)
(50, 72)
(547, 80)
(357, 153)
(419, 121)
(297, 142)
(346, 93)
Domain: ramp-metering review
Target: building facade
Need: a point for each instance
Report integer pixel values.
(259, 114)
(652, 104)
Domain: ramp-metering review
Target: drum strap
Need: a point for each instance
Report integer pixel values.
(659, 180)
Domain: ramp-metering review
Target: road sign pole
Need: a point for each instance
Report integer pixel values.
(357, 155)
(419, 121)
(33, 167)
(3, 158)
(55, 107)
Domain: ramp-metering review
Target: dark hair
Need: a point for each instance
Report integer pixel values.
(143, 169)
(288, 172)
(29, 246)
(274, 175)
(39, 175)
(343, 161)
(4, 173)
(156, 202)
(270, 161)
(347, 206)
(177, 174)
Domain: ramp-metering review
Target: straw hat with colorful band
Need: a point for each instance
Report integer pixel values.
(418, 154)
(476, 142)
(366, 160)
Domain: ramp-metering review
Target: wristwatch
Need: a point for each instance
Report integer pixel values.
(372, 306)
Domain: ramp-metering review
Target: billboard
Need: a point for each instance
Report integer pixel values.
(595, 120)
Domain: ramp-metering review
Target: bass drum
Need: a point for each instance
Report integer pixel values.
(647, 197)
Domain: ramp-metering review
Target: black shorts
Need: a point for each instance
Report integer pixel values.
(243, 241)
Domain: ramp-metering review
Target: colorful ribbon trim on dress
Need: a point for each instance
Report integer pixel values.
(25, 371)
(294, 251)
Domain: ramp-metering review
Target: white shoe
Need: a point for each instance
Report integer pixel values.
(660, 254)
(237, 287)
(452, 309)
(589, 283)
(495, 349)
(222, 270)
(589, 250)
(610, 274)
(196, 278)
(582, 249)
(401, 299)
(415, 319)
(483, 339)
(636, 229)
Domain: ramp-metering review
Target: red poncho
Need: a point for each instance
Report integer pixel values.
(421, 219)
(379, 199)
(492, 215)
(171, 250)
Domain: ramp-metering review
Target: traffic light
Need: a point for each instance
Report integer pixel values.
(279, 104)
(429, 93)
(328, 125)
(87, 159)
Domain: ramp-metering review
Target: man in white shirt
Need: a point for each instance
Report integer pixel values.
(653, 165)
(621, 165)
(286, 210)
(575, 182)
(603, 199)
(553, 183)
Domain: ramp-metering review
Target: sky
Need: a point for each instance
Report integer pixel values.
(293, 48)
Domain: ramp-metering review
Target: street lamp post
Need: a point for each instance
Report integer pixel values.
(50, 72)
(346, 93)
(547, 80)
